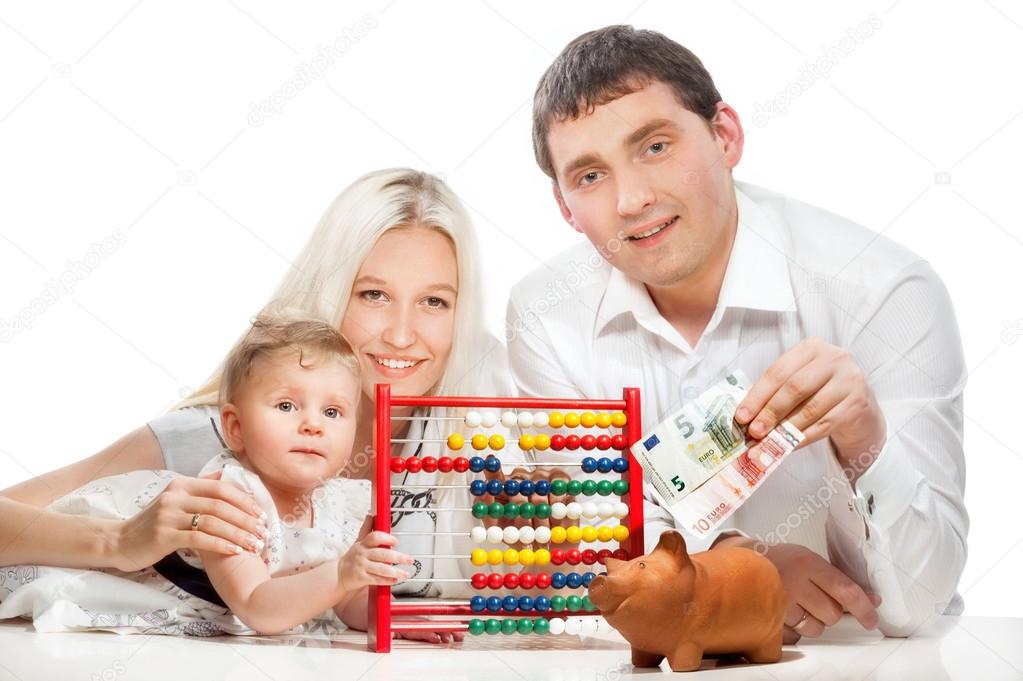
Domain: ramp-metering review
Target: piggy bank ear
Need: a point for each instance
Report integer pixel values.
(673, 543)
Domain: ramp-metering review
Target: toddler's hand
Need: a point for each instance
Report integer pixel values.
(371, 562)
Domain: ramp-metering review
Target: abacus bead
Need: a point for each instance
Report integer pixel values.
(495, 510)
(571, 419)
(555, 419)
(429, 464)
(573, 510)
(445, 464)
(479, 580)
(543, 511)
(477, 603)
(575, 487)
(525, 604)
(488, 419)
(558, 486)
(603, 555)
(495, 535)
(621, 533)
(603, 419)
(605, 533)
(621, 509)
(588, 442)
(527, 557)
(573, 626)
(618, 442)
(541, 626)
(476, 464)
(542, 487)
(492, 626)
(460, 464)
(558, 580)
(605, 465)
(587, 419)
(620, 554)
(557, 442)
(589, 557)
(620, 487)
(478, 556)
(589, 533)
(543, 533)
(542, 604)
(587, 579)
(558, 603)
(495, 581)
(605, 510)
(558, 510)
(527, 511)
(543, 580)
(510, 603)
(621, 465)
(589, 464)
(605, 487)
(572, 442)
(603, 442)
(511, 510)
(557, 556)
(509, 419)
(511, 557)
(574, 603)
(573, 580)
(542, 441)
(542, 557)
(526, 442)
(588, 605)
(540, 419)
(479, 510)
(511, 580)
(413, 464)
(527, 487)
(511, 487)
(589, 487)
(558, 534)
(511, 535)
(496, 442)
(492, 464)
(573, 557)
(590, 625)
(525, 626)
(456, 441)
(618, 419)
(525, 419)
(478, 534)
(478, 488)
(479, 441)
(509, 626)
(556, 626)
(573, 534)
(527, 580)
(495, 556)
(476, 627)
(494, 487)
(473, 419)
(398, 465)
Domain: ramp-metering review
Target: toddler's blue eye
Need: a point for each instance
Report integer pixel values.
(286, 406)
(332, 412)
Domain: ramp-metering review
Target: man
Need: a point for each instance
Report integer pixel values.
(849, 336)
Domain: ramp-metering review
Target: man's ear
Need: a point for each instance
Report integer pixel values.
(729, 134)
(565, 212)
(231, 427)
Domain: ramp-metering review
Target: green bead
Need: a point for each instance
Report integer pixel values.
(541, 626)
(620, 487)
(479, 510)
(525, 626)
(575, 487)
(495, 510)
(509, 626)
(589, 488)
(574, 603)
(588, 605)
(511, 510)
(558, 603)
(558, 486)
(476, 627)
(492, 626)
(543, 511)
(605, 487)
(527, 510)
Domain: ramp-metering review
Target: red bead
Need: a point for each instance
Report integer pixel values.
(511, 581)
(444, 464)
(603, 442)
(429, 464)
(397, 465)
(496, 580)
(479, 581)
(557, 556)
(572, 442)
(543, 580)
(461, 464)
(527, 580)
(413, 464)
(574, 556)
(620, 554)
(557, 442)
(589, 556)
(603, 555)
(618, 442)
(588, 442)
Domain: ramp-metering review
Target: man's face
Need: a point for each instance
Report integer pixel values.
(648, 182)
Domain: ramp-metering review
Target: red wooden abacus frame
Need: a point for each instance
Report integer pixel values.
(380, 606)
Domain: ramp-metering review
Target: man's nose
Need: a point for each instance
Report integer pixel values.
(635, 195)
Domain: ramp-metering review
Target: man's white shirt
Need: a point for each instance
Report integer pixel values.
(577, 327)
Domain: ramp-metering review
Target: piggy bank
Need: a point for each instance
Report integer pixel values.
(728, 601)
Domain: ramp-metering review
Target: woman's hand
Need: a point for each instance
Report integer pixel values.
(370, 561)
(229, 522)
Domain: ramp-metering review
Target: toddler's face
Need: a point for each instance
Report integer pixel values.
(294, 426)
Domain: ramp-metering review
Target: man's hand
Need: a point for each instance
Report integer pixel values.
(823, 392)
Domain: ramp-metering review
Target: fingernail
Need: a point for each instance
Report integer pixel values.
(235, 548)
(262, 515)
(257, 544)
(742, 414)
(758, 427)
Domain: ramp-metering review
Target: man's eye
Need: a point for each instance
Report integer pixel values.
(332, 412)
(285, 406)
(590, 177)
(658, 147)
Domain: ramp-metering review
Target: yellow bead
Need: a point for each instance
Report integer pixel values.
(511, 557)
(555, 419)
(603, 420)
(542, 557)
(571, 419)
(618, 419)
(527, 557)
(526, 442)
(478, 556)
(496, 441)
(558, 534)
(456, 441)
(605, 533)
(589, 533)
(573, 534)
(542, 442)
(479, 441)
(621, 533)
(588, 419)
(495, 556)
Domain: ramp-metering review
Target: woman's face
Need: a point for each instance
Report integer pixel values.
(400, 319)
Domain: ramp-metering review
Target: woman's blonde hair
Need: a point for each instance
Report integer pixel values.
(320, 282)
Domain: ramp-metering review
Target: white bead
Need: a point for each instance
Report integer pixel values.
(478, 534)
(511, 535)
(509, 419)
(590, 625)
(558, 510)
(527, 534)
(472, 419)
(605, 509)
(525, 419)
(574, 510)
(621, 509)
(540, 419)
(589, 509)
(573, 626)
(557, 626)
(602, 625)
(495, 534)
(543, 535)
(488, 419)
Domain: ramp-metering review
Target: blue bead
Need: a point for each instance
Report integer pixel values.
(478, 487)
(587, 578)
(574, 580)
(605, 465)
(476, 464)
(492, 464)
(558, 580)
(525, 603)
(543, 488)
(511, 487)
(494, 604)
(510, 603)
(542, 604)
(477, 603)
(527, 487)
(589, 464)
(494, 487)
(621, 465)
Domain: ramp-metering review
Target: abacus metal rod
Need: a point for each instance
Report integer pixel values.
(447, 580)
(532, 464)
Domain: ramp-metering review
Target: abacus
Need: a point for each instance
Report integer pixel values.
(517, 612)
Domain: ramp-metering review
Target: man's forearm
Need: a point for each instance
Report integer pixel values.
(33, 535)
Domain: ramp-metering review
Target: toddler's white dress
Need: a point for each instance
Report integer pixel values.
(67, 599)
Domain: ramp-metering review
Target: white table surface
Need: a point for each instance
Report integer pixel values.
(974, 648)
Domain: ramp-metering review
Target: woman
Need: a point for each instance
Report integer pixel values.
(392, 263)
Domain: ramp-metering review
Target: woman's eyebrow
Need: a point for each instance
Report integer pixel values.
(443, 287)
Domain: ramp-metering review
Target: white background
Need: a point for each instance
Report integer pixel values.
(131, 122)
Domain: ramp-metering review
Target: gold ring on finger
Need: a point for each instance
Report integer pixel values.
(195, 521)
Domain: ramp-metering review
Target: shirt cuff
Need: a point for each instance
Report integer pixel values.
(885, 490)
